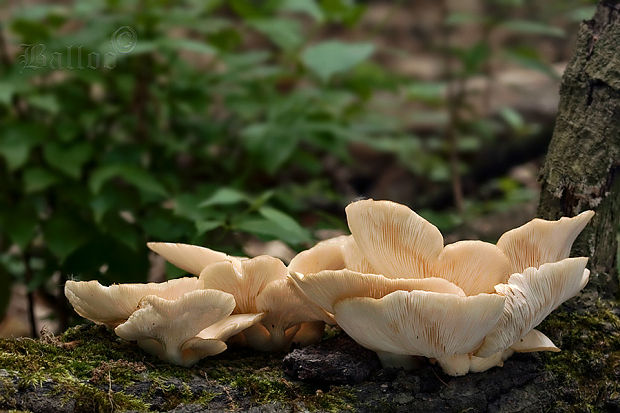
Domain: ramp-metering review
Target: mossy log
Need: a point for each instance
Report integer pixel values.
(89, 369)
(582, 168)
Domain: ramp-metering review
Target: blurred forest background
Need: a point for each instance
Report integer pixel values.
(247, 126)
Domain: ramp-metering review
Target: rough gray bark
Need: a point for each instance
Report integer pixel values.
(583, 161)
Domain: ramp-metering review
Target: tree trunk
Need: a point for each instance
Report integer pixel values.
(583, 160)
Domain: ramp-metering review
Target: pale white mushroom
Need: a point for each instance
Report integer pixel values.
(325, 255)
(186, 329)
(530, 297)
(540, 241)
(190, 258)
(260, 285)
(113, 305)
(331, 254)
(398, 318)
(329, 287)
(395, 240)
(401, 244)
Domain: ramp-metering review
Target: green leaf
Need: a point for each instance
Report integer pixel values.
(225, 196)
(109, 198)
(342, 11)
(134, 175)
(64, 234)
(21, 225)
(474, 57)
(16, 141)
(532, 27)
(125, 232)
(332, 57)
(6, 93)
(273, 144)
(259, 226)
(48, 103)
(290, 228)
(512, 117)
(581, 13)
(283, 32)
(38, 179)
(431, 92)
(188, 206)
(310, 7)
(162, 225)
(203, 227)
(106, 259)
(68, 158)
(273, 227)
(529, 58)
(462, 18)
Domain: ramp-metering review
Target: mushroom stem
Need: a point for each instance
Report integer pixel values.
(461, 364)
(455, 365)
(404, 361)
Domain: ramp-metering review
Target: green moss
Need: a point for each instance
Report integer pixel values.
(7, 390)
(87, 361)
(91, 399)
(260, 376)
(590, 356)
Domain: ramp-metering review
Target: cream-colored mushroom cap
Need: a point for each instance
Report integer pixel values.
(404, 316)
(329, 287)
(335, 253)
(398, 243)
(325, 255)
(114, 304)
(190, 258)
(530, 297)
(260, 285)
(186, 329)
(540, 241)
(420, 323)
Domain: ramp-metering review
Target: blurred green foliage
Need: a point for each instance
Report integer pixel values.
(198, 121)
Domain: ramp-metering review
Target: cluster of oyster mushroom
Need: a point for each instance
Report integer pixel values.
(392, 286)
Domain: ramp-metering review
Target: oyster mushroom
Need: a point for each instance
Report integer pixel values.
(113, 305)
(399, 244)
(186, 329)
(397, 318)
(530, 297)
(541, 241)
(190, 258)
(260, 284)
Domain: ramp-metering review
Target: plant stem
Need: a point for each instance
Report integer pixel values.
(30, 296)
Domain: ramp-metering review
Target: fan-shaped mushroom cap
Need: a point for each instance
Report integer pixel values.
(327, 288)
(186, 329)
(354, 260)
(114, 304)
(331, 254)
(422, 323)
(534, 341)
(475, 266)
(532, 296)
(190, 258)
(397, 242)
(325, 255)
(540, 241)
(244, 279)
(260, 285)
